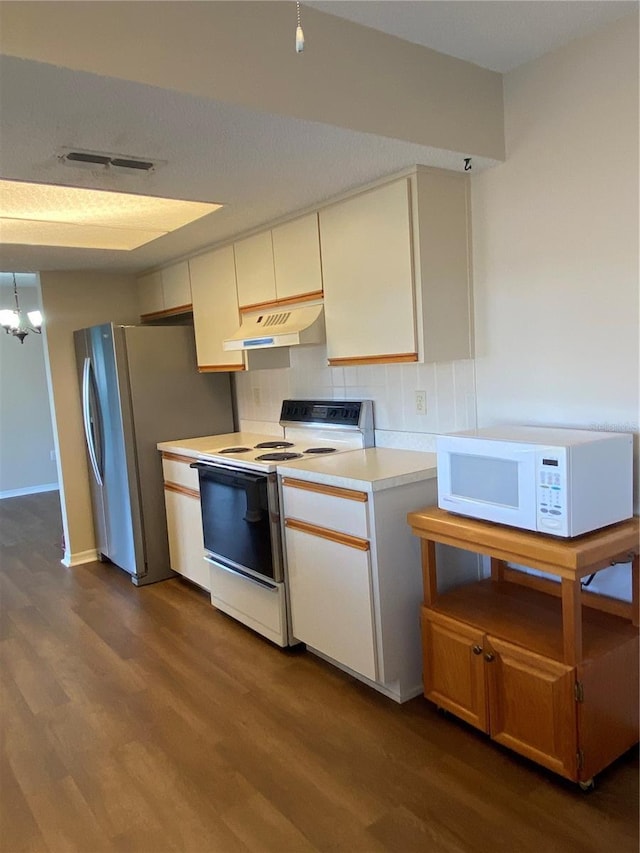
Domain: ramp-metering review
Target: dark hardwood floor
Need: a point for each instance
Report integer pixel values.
(144, 720)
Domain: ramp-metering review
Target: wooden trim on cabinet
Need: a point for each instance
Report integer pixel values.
(274, 304)
(182, 490)
(220, 368)
(324, 533)
(391, 358)
(333, 491)
(635, 590)
(166, 312)
(176, 457)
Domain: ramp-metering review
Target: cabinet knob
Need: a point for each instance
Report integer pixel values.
(489, 657)
(477, 650)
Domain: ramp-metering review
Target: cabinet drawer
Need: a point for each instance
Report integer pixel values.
(175, 469)
(334, 508)
(256, 606)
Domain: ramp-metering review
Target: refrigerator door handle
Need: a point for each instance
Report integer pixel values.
(86, 416)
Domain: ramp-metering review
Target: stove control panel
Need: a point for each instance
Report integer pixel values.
(340, 413)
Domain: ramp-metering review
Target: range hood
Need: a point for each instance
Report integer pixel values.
(283, 327)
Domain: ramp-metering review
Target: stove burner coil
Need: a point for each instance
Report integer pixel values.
(235, 450)
(274, 444)
(277, 457)
(321, 450)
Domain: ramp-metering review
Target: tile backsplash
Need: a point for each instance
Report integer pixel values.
(449, 389)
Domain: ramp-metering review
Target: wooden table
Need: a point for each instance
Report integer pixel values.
(550, 643)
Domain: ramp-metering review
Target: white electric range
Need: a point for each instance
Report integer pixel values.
(311, 428)
(240, 505)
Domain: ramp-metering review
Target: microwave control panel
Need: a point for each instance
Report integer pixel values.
(551, 508)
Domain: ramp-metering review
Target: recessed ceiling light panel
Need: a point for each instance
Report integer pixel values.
(48, 215)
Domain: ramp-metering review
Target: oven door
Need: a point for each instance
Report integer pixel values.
(240, 521)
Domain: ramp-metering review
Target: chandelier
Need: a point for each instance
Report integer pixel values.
(14, 322)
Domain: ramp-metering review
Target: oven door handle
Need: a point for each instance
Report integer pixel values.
(226, 475)
(245, 575)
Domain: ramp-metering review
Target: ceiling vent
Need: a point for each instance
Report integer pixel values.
(101, 160)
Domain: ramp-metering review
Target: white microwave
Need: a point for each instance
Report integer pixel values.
(564, 482)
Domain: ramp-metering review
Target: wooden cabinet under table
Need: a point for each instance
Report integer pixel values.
(546, 668)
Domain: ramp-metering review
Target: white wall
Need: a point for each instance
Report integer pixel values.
(449, 388)
(555, 243)
(26, 437)
(75, 300)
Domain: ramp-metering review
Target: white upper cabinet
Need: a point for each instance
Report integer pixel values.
(176, 286)
(215, 309)
(395, 264)
(165, 292)
(296, 259)
(150, 296)
(254, 269)
(368, 276)
(280, 265)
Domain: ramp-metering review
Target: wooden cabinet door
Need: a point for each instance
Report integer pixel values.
(150, 296)
(296, 258)
(215, 309)
(368, 276)
(254, 270)
(532, 706)
(453, 667)
(184, 528)
(176, 287)
(331, 600)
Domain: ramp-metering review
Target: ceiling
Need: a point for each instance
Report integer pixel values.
(259, 164)
(495, 34)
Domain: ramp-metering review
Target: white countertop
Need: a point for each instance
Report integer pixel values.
(209, 443)
(373, 469)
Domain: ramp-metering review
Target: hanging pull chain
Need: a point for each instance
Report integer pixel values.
(299, 33)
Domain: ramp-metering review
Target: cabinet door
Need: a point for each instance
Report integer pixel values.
(150, 296)
(176, 287)
(331, 602)
(453, 667)
(296, 258)
(532, 707)
(186, 545)
(215, 309)
(368, 275)
(254, 270)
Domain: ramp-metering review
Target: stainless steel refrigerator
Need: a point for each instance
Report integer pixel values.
(140, 385)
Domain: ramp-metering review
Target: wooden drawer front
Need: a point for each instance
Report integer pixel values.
(176, 470)
(453, 672)
(532, 707)
(326, 506)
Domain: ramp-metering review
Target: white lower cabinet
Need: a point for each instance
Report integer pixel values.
(331, 603)
(184, 520)
(354, 576)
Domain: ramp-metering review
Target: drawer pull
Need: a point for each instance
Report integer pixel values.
(324, 533)
(477, 650)
(182, 490)
(489, 657)
(333, 491)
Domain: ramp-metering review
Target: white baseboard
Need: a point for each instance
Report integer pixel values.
(29, 490)
(69, 560)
